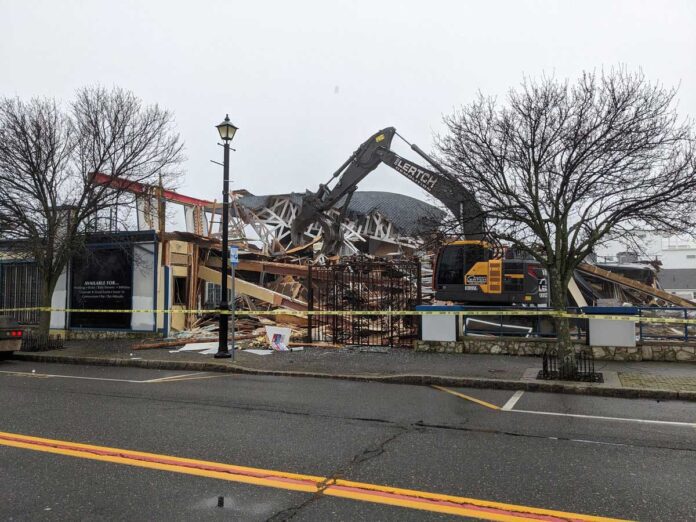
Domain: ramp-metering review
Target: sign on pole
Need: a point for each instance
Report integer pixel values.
(234, 261)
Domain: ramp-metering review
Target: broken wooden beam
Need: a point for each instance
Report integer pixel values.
(250, 289)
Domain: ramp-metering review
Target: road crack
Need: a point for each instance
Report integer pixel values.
(369, 453)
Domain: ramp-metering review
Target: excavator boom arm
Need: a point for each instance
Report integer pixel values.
(446, 189)
(376, 150)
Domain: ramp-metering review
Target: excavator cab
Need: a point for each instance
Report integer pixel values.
(472, 271)
(457, 259)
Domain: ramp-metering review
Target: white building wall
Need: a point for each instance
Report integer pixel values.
(59, 299)
(672, 251)
(143, 286)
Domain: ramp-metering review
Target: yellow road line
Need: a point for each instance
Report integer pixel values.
(405, 498)
(467, 397)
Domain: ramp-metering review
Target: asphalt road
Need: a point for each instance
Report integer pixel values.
(629, 459)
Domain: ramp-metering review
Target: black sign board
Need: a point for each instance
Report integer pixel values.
(102, 279)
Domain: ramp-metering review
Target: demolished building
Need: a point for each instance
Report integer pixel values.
(161, 274)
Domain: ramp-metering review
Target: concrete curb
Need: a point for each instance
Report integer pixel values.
(414, 379)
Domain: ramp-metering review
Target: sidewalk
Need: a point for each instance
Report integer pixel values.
(622, 379)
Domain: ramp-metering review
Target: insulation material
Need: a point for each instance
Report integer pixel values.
(197, 347)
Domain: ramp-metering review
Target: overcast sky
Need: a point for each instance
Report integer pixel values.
(307, 81)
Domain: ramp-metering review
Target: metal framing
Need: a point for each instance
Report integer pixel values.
(272, 224)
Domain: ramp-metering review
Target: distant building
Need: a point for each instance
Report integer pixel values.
(672, 252)
(674, 255)
(679, 281)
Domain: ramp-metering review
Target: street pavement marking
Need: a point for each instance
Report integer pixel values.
(57, 376)
(46, 375)
(468, 397)
(174, 379)
(600, 417)
(516, 397)
(184, 376)
(406, 498)
(513, 400)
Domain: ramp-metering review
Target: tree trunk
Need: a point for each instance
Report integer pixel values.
(49, 285)
(559, 301)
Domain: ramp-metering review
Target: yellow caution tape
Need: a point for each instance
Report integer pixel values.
(304, 313)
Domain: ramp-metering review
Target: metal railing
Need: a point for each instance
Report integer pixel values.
(532, 325)
(37, 343)
(357, 285)
(582, 367)
(543, 327)
(672, 331)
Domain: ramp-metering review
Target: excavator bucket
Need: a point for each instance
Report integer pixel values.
(363, 161)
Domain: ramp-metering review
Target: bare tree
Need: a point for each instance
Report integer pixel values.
(48, 156)
(561, 168)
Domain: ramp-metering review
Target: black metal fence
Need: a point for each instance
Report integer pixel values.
(582, 368)
(33, 342)
(360, 284)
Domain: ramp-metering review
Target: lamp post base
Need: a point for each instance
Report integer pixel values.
(223, 347)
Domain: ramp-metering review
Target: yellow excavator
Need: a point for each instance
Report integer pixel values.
(466, 271)
(472, 271)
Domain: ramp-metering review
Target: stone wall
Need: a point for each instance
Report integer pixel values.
(646, 351)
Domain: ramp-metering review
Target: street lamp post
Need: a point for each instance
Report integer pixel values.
(227, 131)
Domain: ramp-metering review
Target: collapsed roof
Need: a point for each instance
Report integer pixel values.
(410, 216)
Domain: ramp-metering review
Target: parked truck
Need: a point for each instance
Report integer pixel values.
(11, 335)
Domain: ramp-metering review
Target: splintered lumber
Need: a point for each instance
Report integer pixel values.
(252, 290)
(183, 341)
(172, 343)
(317, 345)
(294, 320)
(272, 268)
(300, 248)
(575, 293)
(635, 285)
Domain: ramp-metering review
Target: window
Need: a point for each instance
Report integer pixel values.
(180, 291)
(457, 260)
(451, 266)
(213, 293)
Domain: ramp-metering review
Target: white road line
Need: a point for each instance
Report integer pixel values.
(584, 441)
(29, 374)
(513, 400)
(173, 377)
(599, 417)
